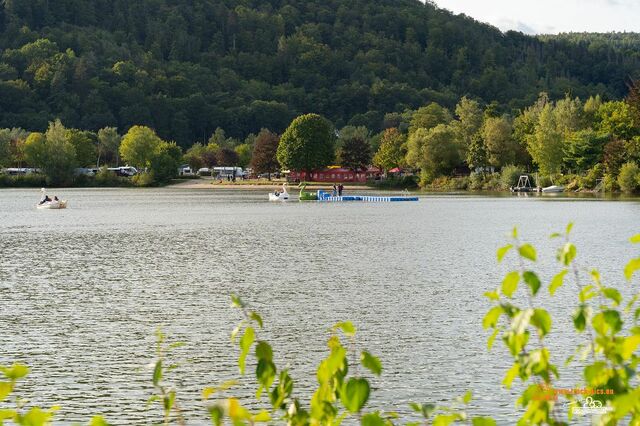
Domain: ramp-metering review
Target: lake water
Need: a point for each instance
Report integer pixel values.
(83, 290)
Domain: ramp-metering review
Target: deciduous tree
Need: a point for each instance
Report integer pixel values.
(307, 144)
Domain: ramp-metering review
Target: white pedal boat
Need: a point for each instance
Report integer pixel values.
(60, 204)
(279, 196)
(51, 204)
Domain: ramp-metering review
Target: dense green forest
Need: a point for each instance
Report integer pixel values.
(187, 67)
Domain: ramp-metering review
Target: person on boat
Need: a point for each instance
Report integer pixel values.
(340, 189)
(335, 190)
(55, 198)
(45, 199)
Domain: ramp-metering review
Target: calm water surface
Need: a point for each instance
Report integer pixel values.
(82, 290)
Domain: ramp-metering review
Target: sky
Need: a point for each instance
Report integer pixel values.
(551, 16)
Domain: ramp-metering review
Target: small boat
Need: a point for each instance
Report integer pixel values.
(52, 204)
(279, 196)
(306, 195)
(553, 189)
(60, 204)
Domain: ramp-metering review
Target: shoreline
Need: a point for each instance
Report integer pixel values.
(214, 184)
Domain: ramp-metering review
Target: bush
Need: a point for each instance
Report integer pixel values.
(143, 179)
(629, 177)
(590, 180)
(23, 181)
(509, 176)
(396, 182)
(492, 182)
(476, 181)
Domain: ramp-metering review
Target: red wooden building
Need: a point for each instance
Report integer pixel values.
(336, 174)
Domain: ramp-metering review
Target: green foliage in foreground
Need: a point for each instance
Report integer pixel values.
(606, 328)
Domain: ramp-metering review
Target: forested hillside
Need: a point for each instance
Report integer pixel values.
(186, 67)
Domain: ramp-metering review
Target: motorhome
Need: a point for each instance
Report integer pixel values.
(126, 171)
(228, 172)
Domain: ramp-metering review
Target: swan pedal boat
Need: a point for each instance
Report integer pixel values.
(280, 196)
(61, 204)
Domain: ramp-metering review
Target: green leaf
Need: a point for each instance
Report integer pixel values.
(597, 374)
(510, 283)
(237, 302)
(629, 346)
(542, 321)
(555, 235)
(157, 372)
(264, 351)
(262, 417)
(586, 293)
(635, 239)
(607, 321)
(492, 338)
(15, 372)
(483, 421)
(372, 419)
(532, 281)
(528, 252)
(513, 372)
(256, 317)
(423, 409)
(580, 317)
(514, 233)
(557, 281)
(371, 362)
(207, 392)
(266, 374)
(98, 421)
(502, 251)
(354, 394)
(631, 268)
(492, 295)
(613, 294)
(567, 254)
(466, 398)
(5, 389)
(445, 419)
(491, 318)
(217, 414)
(569, 228)
(347, 328)
(245, 345)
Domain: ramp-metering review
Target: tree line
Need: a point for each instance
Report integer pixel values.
(185, 68)
(589, 140)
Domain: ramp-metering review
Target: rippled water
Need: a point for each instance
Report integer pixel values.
(82, 290)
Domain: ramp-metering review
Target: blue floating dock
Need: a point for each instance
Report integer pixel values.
(329, 197)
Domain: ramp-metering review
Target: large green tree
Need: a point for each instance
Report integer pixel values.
(546, 143)
(139, 146)
(433, 151)
(429, 116)
(307, 144)
(498, 140)
(52, 152)
(392, 150)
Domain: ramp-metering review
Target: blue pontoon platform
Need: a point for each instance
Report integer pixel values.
(327, 196)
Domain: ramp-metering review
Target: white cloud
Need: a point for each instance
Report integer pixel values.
(551, 16)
